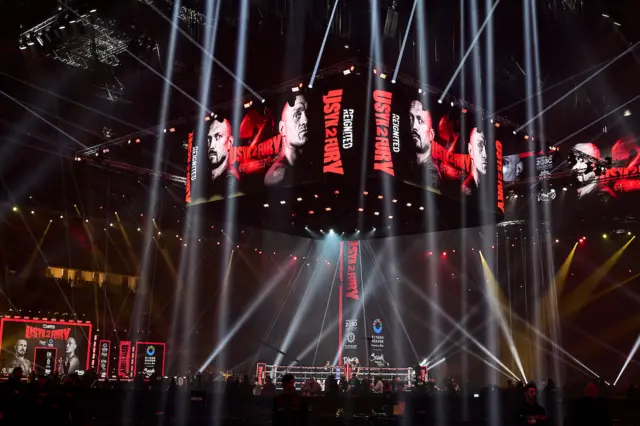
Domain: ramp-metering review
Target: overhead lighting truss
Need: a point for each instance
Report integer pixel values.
(93, 39)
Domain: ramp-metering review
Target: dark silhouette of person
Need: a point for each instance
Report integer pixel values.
(289, 408)
(589, 410)
(531, 412)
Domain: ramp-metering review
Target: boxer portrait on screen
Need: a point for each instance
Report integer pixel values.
(588, 183)
(511, 168)
(19, 360)
(293, 129)
(219, 142)
(70, 363)
(479, 162)
(423, 137)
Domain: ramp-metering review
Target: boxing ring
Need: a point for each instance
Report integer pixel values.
(303, 373)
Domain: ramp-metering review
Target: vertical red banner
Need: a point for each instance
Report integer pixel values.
(190, 166)
(124, 361)
(341, 326)
(500, 180)
(352, 335)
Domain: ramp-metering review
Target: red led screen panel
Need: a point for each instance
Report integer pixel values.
(18, 337)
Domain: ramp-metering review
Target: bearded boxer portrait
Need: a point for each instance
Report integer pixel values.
(423, 136)
(293, 129)
(219, 142)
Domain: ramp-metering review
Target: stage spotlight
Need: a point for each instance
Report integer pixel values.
(346, 46)
(32, 212)
(604, 236)
(444, 253)
(557, 241)
(390, 217)
(310, 212)
(265, 205)
(419, 90)
(421, 208)
(346, 72)
(439, 101)
(15, 209)
(61, 27)
(331, 231)
(327, 209)
(408, 204)
(394, 201)
(380, 197)
(295, 89)
(383, 75)
(627, 112)
(283, 202)
(365, 193)
(452, 103)
(374, 228)
(137, 140)
(514, 132)
(360, 209)
(138, 229)
(93, 11)
(393, 81)
(299, 198)
(629, 233)
(376, 213)
(564, 188)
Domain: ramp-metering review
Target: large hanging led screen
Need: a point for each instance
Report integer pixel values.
(342, 131)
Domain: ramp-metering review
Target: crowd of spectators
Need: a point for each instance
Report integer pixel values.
(84, 400)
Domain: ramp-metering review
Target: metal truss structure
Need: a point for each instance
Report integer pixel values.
(103, 43)
(100, 41)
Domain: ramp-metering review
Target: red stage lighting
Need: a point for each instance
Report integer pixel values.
(429, 253)
(311, 212)
(444, 253)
